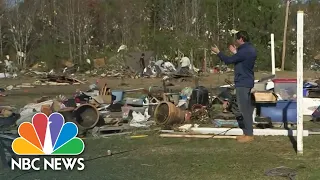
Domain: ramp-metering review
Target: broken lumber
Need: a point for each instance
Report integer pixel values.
(197, 136)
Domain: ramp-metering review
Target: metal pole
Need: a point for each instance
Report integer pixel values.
(273, 59)
(300, 82)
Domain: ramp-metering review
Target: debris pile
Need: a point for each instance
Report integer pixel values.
(103, 111)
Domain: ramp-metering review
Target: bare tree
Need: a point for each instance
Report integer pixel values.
(186, 16)
(1, 36)
(20, 22)
(84, 29)
(2, 9)
(195, 18)
(75, 27)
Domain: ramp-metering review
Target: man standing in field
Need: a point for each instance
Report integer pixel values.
(142, 64)
(243, 58)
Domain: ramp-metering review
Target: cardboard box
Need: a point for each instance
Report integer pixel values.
(265, 97)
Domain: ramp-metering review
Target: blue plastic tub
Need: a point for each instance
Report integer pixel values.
(281, 112)
(118, 94)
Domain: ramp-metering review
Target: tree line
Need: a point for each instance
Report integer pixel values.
(54, 31)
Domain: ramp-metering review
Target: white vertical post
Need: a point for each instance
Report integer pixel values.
(300, 82)
(273, 58)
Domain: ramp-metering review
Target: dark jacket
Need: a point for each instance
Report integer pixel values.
(142, 63)
(244, 61)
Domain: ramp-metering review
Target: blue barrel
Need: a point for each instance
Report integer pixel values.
(281, 112)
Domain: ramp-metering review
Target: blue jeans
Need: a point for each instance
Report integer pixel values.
(246, 108)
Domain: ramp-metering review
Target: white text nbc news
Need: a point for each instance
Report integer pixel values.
(55, 164)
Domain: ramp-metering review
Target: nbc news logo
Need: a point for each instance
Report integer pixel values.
(48, 136)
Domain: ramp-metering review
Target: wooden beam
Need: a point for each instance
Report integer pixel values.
(285, 35)
(197, 136)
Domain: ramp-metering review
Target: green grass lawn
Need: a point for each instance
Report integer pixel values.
(153, 158)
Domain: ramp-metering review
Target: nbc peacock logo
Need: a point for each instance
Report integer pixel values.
(48, 136)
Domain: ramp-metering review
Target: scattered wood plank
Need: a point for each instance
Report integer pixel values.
(58, 84)
(24, 86)
(197, 136)
(60, 80)
(238, 131)
(135, 90)
(77, 80)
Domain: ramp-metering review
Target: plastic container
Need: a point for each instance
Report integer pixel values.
(286, 89)
(118, 95)
(281, 112)
(134, 101)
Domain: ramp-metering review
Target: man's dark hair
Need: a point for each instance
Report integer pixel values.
(142, 54)
(244, 35)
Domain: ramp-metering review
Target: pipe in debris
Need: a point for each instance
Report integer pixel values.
(314, 133)
(87, 116)
(167, 113)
